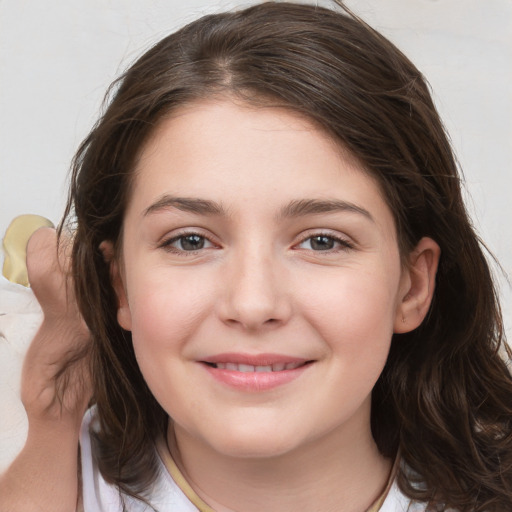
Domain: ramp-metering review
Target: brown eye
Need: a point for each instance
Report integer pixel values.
(322, 243)
(191, 242)
(186, 243)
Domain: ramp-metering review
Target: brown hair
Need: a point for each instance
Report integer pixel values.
(444, 398)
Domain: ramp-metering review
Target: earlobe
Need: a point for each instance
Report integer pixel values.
(419, 284)
(116, 278)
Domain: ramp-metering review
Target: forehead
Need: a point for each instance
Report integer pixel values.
(239, 155)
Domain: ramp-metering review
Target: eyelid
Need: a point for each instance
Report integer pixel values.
(167, 240)
(344, 241)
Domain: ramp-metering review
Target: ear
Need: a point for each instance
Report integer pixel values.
(418, 286)
(124, 318)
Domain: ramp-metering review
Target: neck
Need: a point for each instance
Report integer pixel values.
(341, 471)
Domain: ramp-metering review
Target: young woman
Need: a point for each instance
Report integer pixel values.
(288, 307)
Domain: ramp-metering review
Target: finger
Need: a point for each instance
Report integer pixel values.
(48, 264)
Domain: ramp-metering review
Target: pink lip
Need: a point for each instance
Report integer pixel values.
(253, 359)
(255, 381)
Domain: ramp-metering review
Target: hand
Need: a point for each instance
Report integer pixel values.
(56, 381)
(56, 388)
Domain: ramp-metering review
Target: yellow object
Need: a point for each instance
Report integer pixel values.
(15, 246)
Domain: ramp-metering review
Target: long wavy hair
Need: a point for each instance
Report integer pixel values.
(444, 399)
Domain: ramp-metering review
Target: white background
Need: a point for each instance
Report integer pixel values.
(58, 57)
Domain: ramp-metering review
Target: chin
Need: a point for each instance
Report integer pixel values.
(261, 452)
(260, 444)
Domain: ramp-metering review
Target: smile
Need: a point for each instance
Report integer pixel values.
(247, 368)
(259, 373)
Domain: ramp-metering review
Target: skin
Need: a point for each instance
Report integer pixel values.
(327, 287)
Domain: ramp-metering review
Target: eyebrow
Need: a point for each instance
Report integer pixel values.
(303, 207)
(186, 204)
(296, 208)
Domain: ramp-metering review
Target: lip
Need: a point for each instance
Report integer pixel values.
(254, 359)
(254, 381)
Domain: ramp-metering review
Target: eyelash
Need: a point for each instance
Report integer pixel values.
(167, 244)
(344, 244)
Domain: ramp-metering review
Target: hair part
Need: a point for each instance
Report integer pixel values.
(443, 399)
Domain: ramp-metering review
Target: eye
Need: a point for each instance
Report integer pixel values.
(188, 242)
(324, 242)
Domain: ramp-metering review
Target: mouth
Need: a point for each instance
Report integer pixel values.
(249, 368)
(249, 373)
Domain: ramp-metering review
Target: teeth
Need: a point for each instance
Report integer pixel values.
(263, 368)
(247, 368)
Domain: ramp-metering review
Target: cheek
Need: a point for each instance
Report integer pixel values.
(354, 313)
(166, 310)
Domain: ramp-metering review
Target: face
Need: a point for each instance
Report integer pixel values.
(260, 277)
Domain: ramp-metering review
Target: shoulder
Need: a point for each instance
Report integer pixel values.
(100, 496)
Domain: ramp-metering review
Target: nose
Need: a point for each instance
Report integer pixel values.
(255, 295)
